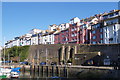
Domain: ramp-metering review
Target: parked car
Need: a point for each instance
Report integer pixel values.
(53, 63)
(43, 63)
(26, 63)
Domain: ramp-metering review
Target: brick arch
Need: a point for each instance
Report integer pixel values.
(59, 55)
(71, 54)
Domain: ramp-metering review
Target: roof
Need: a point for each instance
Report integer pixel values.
(73, 18)
(112, 11)
(57, 32)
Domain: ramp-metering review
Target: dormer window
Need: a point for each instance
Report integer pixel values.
(116, 13)
(111, 15)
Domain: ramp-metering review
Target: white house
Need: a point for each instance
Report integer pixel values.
(74, 20)
(16, 41)
(28, 39)
(111, 30)
(63, 26)
(53, 27)
(46, 37)
(34, 39)
(25, 40)
(9, 44)
(35, 31)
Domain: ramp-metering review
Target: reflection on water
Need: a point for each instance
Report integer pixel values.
(29, 74)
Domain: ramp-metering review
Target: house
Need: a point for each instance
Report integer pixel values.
(45, 37)
(73, 30)
(35, 31)
(111, 29)
(61, 37)
(97, 33)
(52, 27)
(25, 40)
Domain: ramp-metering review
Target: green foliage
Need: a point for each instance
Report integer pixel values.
(18, 51)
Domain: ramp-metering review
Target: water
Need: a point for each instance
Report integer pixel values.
(28, 74)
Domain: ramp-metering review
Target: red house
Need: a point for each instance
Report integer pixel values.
(96, 34)
(62, 37)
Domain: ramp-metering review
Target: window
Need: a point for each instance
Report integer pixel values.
(94, 37)
(94, 42)
(114, 33)
(101, 36)
(66, 31)
(72, 35)
(66, 39)
(111, 15)
(101, 30)
(114, 27)
(116, 13)
(101, 41)
(75, 34)
(93, 32)
(106, 29)
(105, 17)
(63, 39)
(72, 29)
(75, 28)
(58, 39)
(106, 35)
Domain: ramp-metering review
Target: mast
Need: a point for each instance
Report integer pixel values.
(46, 56)
(8, 58)
(0, 55)
(4, 52)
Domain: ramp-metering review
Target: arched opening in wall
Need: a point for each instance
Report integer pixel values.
(65, 55)
(71, 54)
(59, 55)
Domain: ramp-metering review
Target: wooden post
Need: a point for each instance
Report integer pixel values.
(38, 69)
(57, 70)
(64, 71)
(52, 70)
(31, 69)
(47, 71)
(34, 68)
(42, 69)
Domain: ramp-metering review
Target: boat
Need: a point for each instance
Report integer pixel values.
(15, 75)
(5, 73)
(2, 76)
(9, 72)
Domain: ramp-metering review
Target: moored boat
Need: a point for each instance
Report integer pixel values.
(15, 75)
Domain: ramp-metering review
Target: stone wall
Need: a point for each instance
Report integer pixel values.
(60, 53)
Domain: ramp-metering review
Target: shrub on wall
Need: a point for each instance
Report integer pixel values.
(17, 51)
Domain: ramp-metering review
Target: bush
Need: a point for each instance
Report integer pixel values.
(17, 51)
